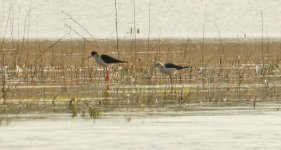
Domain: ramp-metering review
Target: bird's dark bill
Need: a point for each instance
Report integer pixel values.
(87, 58)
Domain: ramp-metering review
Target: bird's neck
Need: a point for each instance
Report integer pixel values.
(161, 66)
(96, 56)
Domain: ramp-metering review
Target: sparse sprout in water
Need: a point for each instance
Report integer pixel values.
(94, 112)
(72, 105)
(54, 100)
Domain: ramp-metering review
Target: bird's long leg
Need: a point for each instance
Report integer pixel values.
(107, 74)
(180, 78)
(171, 85)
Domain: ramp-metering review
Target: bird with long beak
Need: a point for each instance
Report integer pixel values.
(105, 61)
(169, 68)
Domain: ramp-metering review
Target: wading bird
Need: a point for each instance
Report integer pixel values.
(169, 68)
(105, 61)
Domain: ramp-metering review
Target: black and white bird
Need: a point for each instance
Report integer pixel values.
(169, 68)
(105, 61)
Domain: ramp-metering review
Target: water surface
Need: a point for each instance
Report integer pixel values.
(219, 129)
(177, 18)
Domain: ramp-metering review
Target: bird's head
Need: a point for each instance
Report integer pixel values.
(94, 54)
(158, 64)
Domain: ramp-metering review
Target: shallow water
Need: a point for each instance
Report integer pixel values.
(219, 129)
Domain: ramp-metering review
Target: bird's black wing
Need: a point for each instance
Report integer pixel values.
(109, 59)
(170, 65)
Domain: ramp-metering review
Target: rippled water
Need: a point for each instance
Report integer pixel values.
(218, 129)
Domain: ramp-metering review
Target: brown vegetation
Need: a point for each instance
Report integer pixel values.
(45, 75)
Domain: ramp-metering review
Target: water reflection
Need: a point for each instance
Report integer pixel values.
(226, 128)
(4, 120)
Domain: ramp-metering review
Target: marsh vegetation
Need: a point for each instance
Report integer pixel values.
(53, 76)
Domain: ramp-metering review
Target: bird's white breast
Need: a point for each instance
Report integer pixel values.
(101, 62)
(169, 71)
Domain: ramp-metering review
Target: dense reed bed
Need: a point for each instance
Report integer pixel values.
(53, 76)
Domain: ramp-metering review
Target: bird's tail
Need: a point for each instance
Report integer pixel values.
(187, 67)
(121, 61)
